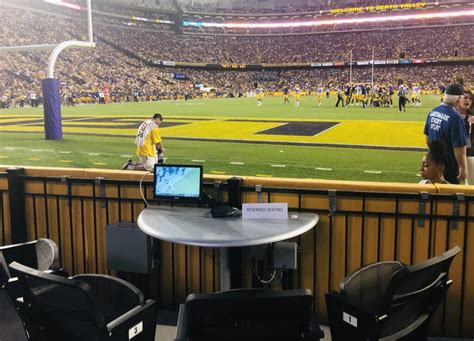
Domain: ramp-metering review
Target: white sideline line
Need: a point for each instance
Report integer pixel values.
(237, 163)
(278, 166)
(198, 160)
(323, 169)
(373, 172)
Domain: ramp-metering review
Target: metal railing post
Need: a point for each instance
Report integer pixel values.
(16, 198)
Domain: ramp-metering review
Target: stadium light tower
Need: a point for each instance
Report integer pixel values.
(50, 85)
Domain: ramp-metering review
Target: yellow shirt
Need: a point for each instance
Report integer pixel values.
(148, 148)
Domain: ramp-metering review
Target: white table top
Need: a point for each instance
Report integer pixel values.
(196, 226)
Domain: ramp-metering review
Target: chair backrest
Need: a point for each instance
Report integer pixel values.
(368, 285)
(417, 290)
(419, 276)
(41, 254)
(58, 308)
(250, 314)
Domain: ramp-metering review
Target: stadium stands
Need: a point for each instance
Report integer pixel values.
(122, 63)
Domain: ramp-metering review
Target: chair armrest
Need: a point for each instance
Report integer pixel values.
(182, 324)
(13, 288)
(96, 281)
(349, 320)
(138, 324)
(113, 295)
(58, 272)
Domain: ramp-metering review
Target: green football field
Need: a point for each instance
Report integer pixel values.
(233, 137)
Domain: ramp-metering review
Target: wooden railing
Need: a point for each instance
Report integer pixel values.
(360, 223)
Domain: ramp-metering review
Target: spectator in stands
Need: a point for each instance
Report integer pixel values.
(445, 123)
(434, 164)
(466, 110)
(148, 141)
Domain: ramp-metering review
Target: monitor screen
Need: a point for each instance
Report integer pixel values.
(177, 182)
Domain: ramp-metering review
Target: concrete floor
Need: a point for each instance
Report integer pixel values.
(167, 333)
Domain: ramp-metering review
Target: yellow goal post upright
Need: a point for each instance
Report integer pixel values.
(50, 85)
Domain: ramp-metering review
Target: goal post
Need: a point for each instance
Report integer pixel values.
(50, 85)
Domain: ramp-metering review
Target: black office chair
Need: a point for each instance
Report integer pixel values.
(41, 254)
(83, 308)
(389, 300)
(248, 314)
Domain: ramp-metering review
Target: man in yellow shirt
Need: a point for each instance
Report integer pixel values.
(148, 141)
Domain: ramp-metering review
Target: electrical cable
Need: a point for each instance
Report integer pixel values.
(141, 190)
(265, 281)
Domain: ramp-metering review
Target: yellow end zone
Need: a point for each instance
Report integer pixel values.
(374, 133)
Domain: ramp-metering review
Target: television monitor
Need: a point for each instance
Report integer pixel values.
(177, 182)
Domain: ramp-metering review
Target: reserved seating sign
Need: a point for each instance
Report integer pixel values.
(265, 211)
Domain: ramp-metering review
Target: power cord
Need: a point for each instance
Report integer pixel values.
(273, 278)
(141, 190)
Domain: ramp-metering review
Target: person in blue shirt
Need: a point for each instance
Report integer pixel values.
(444, 123)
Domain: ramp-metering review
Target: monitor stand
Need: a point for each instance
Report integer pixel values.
(222, 211)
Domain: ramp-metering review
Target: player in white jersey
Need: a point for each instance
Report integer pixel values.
(320, 93)
(259, 94)
(297, 95)
(416, 94)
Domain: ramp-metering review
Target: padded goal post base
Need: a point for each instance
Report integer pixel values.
(52, 109)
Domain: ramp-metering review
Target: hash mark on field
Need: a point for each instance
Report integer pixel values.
(3, 157)
(65, 161)
(64, 152)
(372, 172)
(323, 169)
(34, 158)
(122, 155)
(264, 175)
(96, 154)
(237, 163)
(278, 166)
(198, 160)
(9, 148)
(99, 163)
(37, 150)
(217, 172)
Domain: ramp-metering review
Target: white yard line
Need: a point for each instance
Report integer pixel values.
(372, 172)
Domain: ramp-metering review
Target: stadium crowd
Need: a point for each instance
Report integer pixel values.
(199, 7)
(418, 43)
(116, 70)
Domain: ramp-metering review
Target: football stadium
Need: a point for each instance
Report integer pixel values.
(342, 111)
